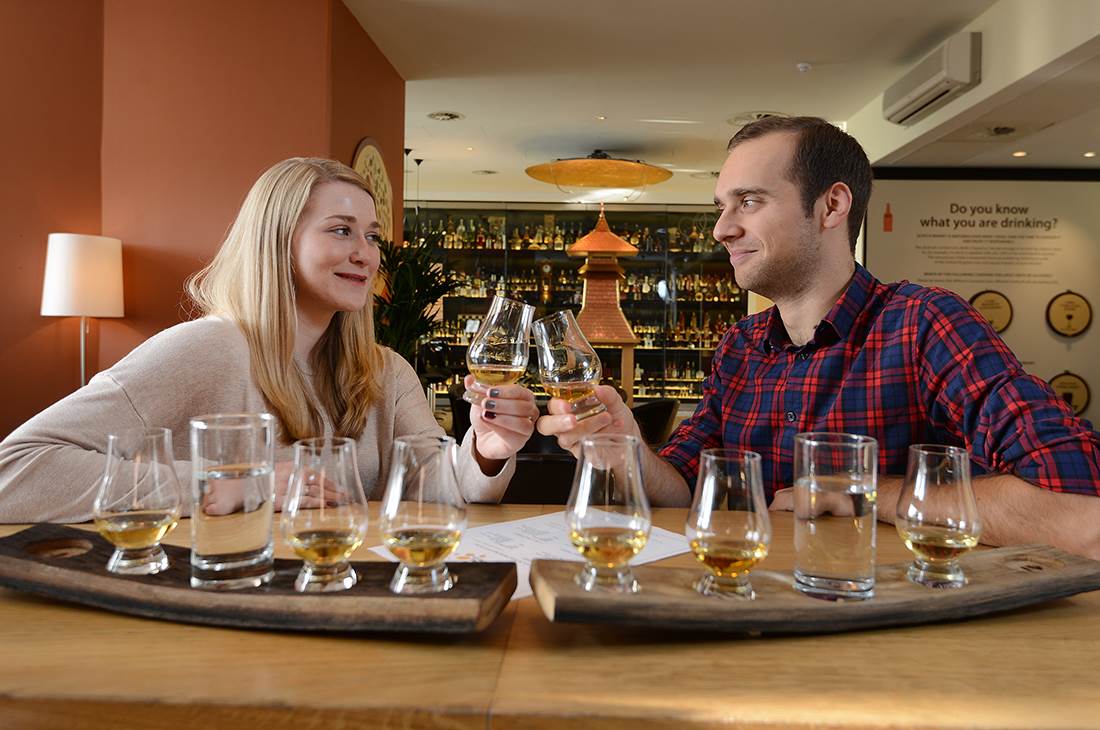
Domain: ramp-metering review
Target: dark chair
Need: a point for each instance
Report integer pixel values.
(460, 411)
(656, 419)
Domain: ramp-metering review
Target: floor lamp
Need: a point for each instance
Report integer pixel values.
(83, 279)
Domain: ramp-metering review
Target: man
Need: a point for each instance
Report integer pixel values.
(840, 351)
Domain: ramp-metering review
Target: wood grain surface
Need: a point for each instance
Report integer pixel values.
(1001, 579)
(69, 666)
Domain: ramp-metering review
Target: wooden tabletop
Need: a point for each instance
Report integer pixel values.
(71, 667)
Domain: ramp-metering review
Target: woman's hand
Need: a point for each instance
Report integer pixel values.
(226, 496)
(503, 418)
(561, 422)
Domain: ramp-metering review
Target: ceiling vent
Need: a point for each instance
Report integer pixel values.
(950, 70)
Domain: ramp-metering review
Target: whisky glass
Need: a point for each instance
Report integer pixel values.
(937, 515)
(139, 499)
(608, 513)
(325, 516)
(728, 526)
(499, 351)
(423, 512)
(568, 366)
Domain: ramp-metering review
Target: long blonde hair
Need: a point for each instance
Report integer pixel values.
(251, 281)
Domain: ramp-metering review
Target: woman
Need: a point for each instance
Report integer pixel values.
(287, 329)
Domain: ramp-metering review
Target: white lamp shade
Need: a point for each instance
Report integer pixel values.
(83, 276)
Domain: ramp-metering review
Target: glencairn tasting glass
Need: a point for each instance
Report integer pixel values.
(937, 515)
(139, 499)
(728, 526)
(568, 366)
(423, 512)
(499, 351)
(325, 516)
(608, 513)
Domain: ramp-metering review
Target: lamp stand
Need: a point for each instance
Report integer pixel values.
(83, 337)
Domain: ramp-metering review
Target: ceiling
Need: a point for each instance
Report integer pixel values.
(531, 79)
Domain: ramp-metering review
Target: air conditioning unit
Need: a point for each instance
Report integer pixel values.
(947, 72)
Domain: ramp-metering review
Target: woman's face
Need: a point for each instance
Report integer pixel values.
(334, 251)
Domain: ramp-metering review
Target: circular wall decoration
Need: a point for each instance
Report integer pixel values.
(1073, 389)
(368, 162)
(1069, 314)
(995, 307)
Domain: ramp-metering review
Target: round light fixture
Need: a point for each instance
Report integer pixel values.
(598, 170)
(1019, 153)
(600, 118)
(446, 116)
(1089, 154)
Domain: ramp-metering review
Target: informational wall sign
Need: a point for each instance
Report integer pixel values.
(1026, 254)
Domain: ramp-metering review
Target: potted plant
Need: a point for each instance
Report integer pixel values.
(413, 283)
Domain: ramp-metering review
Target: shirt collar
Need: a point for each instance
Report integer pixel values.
(834, 327)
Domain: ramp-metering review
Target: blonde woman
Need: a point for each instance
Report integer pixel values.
(287, 329)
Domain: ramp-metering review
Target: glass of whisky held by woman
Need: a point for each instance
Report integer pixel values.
(608, 514)
(423, 512)
(728, 526)
(325, 516)
(139, 499)
(499, 351)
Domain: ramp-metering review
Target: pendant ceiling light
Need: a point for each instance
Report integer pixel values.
(598, 170)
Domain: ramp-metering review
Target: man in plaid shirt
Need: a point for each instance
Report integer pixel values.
(841, 351)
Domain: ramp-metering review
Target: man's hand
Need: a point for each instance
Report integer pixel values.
(561, 422)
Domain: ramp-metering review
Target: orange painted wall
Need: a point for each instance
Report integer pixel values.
(148, 121)
(199, 97)
(368, 100)
(51, 53)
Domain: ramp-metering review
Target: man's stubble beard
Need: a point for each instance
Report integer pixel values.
(790, 275)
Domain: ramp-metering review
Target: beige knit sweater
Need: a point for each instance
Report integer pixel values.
(51, 465)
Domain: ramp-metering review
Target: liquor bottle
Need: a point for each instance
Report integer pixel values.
(636, 236)
(479, 237)
(647, 241)
(460, 235)
(887, 220)
(559, 239)
(517, 239)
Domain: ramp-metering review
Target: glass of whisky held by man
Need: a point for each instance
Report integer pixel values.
(423, 513)
(139, 499)
(499, 351)
(325, 515)
(569, 367)
(728, 526)
(937, 514)
(608, 514)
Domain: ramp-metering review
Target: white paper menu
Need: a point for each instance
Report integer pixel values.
(542, 537)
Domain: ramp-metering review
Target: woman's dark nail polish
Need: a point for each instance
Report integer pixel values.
(489, 416)
(489, 405)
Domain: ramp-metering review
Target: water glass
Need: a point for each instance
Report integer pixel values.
(835, 483)
(499, 351)
(937, 515)
(139, 500)
(325, 515)
(232, 500)
(423, 512)
(568, 366)
(728, 526)
(608, 514)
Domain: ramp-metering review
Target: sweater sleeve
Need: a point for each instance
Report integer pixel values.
(413, 417)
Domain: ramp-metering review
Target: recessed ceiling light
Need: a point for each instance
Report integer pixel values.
(600, 118)
(469, 149)
(486, 172)
(446, 116)
(803, 67)
(1089, 154)
(1019, 153)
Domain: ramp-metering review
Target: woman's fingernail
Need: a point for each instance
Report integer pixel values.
(489, 405)
(488, 415)
(494, 392)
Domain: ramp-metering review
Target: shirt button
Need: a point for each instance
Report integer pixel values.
(790, 416)
(803, 356)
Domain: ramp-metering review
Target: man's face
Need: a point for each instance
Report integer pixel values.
(773, 247)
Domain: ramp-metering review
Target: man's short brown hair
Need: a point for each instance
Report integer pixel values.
(823, 155)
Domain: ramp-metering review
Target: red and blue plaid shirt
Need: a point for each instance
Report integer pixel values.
(903, 363)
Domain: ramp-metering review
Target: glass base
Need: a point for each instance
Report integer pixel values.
(142, 561)
(435, 579)
(588, 407)
(834, 589)
(325, 579)
(712, 585)
(232, 571)
(947, 575)
(612, 580)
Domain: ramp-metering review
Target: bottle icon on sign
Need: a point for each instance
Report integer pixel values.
(887, 220)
